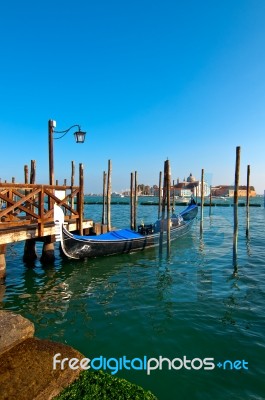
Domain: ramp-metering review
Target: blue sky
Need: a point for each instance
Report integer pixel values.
(147, 80)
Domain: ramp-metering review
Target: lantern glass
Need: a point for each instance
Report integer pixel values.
(80, 136)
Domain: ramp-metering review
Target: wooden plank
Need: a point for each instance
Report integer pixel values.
(31, 231)
(18, 204)
(33, 186)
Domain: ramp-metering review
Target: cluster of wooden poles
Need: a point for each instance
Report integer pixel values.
(164, 199)
(235, 208)
(164, 206)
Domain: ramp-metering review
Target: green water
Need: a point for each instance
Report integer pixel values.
(192, 303)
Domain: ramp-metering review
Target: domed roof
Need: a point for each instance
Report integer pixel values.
(191, 178)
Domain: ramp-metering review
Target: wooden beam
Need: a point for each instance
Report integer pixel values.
(32, 232)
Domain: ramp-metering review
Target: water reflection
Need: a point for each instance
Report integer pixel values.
(235, 239)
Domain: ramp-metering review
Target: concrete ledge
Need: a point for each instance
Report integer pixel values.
(26, 371)
(13, 329)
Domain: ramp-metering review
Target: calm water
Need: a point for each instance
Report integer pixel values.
(189, 304)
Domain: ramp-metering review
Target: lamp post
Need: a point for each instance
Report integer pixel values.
(79, 138)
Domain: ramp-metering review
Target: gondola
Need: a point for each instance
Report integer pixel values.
(122, 240)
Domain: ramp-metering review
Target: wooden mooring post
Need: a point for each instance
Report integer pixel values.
(26, 174)
(160, 195)
(210, 208)
(81, 199)
(132, 201)
(163, 209)
(202, 199)
(235, 236)
(30, 254)
(72, 181)
(173, 197)
(166, 203)
(248, 195)
(168, 186)
(104, 198)
(135, 200)
(109, 196)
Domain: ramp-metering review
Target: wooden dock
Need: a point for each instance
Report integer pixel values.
(26, 214)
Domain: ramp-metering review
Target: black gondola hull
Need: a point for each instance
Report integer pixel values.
(79, 247)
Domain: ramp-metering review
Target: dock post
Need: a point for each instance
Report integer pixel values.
(104, 198)
(248, 193)
(81, 198)
(210, 199)
(32, 171)
(72, 183)
(48, 250)
(160, 195)
(2, 261)
(109, 196)
(132, 201)
(173, 197)
(235, 236)
(135, 200)
(168, 184)
(163, 211)
(29, 252)
(202, 199)
(26, 174)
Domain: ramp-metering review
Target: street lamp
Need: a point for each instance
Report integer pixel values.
(79, 138)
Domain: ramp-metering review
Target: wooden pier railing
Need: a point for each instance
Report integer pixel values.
(24, 204)
(27, 212)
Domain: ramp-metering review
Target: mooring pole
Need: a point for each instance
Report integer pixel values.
(30, 253)
(50, 140)
(202, 199)
(72, 173)
(109, 196)
(26, 174)
(248, 195)
(132, 202)
(163, 210)
(237, 170)
(33, 171)
(81, 198)
(168, 184)
(135, 200)
(160, 195)
(104, 198)
(173, 196)
(72, 183)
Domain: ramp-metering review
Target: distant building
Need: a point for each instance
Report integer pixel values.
(187, 188)
(228, 191)
(190, 187)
